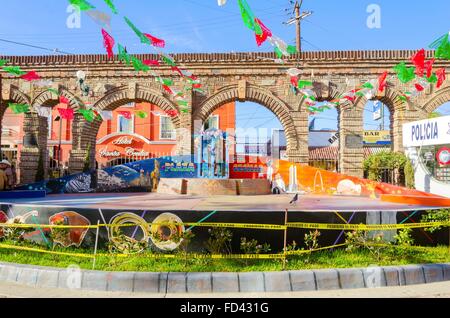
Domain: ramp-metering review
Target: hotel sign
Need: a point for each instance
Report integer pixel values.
(123, 146)
(427, 132)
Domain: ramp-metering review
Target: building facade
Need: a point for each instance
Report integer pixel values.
(119, 139)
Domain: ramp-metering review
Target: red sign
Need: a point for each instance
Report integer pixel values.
(124, 146)
(443, 156)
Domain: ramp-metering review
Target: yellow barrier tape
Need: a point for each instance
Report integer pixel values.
(301, 225)
(365, 227)
(38, 250)
(314, 250)
(47, 226)
(201, 256)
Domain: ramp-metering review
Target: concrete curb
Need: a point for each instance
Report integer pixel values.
(304, 280)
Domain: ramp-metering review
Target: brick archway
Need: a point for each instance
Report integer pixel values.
(441, 97)
(85, 133)
(48, 99)
(252, 93)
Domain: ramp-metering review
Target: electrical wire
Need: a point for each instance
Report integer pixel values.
(36, 47)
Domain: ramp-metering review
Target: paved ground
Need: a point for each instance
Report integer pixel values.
(435, 290)
(156, 202)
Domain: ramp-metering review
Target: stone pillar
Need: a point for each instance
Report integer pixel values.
(80, 142)
(298, 150)
(34, 145)
(400, 117)
(185, 142)
(351, 133)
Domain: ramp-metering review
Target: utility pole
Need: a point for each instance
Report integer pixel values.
(297, 19)
(298, 26)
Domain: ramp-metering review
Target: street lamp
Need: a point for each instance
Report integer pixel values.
(81, 76)
(58, 118)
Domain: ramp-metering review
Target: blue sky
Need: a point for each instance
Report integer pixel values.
(202, 26)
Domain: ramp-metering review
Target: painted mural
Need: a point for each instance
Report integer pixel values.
(134, 176)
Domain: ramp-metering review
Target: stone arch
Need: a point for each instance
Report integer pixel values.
(85, 133)
(48, 99)
(256, 94)
(441, 96)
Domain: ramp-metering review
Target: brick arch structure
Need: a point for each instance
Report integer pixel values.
(223, 71)
(256, 94)
(33, 131)
(85, 133)
(442, 96)
(48, 99)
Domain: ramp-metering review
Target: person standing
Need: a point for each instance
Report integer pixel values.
(3, 178)
(9, 174)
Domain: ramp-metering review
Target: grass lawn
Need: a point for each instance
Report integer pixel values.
(339, 258)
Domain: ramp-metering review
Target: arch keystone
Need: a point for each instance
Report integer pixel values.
(242, 90)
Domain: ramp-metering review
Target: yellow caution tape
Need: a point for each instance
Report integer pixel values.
(31, 249)
(314, 250)
(365, 227)
(300, 225)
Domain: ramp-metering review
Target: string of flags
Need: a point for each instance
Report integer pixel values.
(191, 82)
(262, 32)
(420, 76)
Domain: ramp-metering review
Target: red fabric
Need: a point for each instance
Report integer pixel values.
(172, 113)
(177, 69)
(260, 39)
(66, 113)
(197, 86)
(350, 98)
(382, 81)
(418, 60)
(155, 41)
(108, 43)
(168, 89)
(151, 62)
(419, 87)
(30, 76)
(125, 114)
(429, 67)
(64, 100)
(294, 80)
(440, 73)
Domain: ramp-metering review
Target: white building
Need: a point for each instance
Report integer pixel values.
(427, 144)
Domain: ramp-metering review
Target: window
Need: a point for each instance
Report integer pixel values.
(167, 130)
(124, 125)
(212, 122)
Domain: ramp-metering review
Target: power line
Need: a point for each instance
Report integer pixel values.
(56, 50)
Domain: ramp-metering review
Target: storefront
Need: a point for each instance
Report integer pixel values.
(427, 144)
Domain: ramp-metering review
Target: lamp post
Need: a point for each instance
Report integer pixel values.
(59, 119)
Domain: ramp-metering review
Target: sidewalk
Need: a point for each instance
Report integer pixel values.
(435, 290)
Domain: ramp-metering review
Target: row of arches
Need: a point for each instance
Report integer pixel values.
(291, 113)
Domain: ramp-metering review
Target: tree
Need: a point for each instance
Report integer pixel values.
(394, 162)
(409, 175)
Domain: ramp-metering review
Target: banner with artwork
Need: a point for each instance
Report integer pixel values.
(129, 177)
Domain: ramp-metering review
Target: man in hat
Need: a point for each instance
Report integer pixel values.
(3, 178)
(9, 174)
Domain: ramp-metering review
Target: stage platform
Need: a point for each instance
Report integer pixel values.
(258, 203)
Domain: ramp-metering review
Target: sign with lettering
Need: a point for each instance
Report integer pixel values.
(377, 137)
(124, 146)
(353, 141)
(427, 132)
